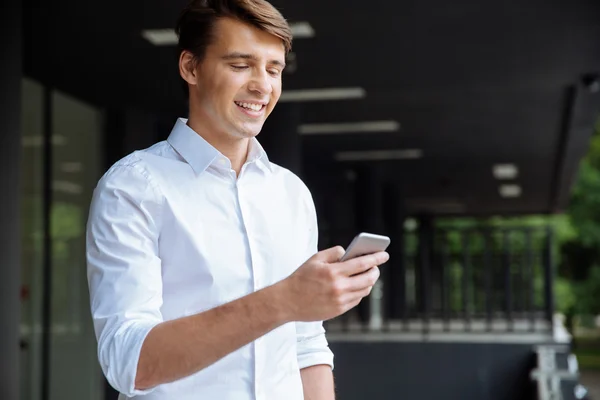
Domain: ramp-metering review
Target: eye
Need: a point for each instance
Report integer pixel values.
(274, 72)
(239, 67)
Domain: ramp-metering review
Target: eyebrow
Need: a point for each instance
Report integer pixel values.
(237, 56)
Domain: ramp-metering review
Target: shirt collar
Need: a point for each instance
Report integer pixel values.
(257, 154)
(200, 154)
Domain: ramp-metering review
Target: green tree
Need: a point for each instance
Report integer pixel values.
(581, 253)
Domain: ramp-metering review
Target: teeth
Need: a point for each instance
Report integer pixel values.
(254, 107)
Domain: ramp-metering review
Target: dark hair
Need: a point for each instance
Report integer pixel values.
(197, 20)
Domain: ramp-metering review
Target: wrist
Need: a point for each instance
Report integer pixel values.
(279, 301)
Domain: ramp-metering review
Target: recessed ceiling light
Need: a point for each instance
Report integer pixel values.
(349, 127)
(379, 155)
(168, 37)
(348, 93)
(505, 171)
(411, 224)
(510, 191)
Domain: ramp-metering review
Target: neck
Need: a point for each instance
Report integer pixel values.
(235, 149)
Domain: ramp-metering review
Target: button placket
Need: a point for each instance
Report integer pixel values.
(257, 345)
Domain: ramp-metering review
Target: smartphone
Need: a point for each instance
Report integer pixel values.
(365, 243)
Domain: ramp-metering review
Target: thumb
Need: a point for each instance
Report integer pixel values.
(331, 255)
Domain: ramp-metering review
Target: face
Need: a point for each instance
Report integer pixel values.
(237, 84)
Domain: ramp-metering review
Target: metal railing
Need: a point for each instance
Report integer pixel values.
(484, 279)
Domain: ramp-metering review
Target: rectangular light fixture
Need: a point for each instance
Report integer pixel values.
(510, 191)
(349, 127)
(160, 37)
(348, 93)
(302, 30)
(505, 171)
(379, 155)
(168, 37)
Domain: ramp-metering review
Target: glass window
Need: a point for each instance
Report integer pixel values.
(77, 154)
(77, 166)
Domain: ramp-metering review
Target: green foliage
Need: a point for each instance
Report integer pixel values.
(580, 251)
(587, 293)
(584, 208)
(564, 292)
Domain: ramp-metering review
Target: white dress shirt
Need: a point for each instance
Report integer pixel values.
(173, 232)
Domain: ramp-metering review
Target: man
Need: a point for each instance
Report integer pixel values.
(202, 270)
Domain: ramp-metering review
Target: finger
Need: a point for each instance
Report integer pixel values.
(355, 296)
(364, 280)
(361, 294)
(331, 255)
(354, 304)
(361, 264)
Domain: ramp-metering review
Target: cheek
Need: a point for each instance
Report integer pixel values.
(224, 89)
(276, 89)
(276, 93)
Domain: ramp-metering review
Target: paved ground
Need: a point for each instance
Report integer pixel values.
(591, 380)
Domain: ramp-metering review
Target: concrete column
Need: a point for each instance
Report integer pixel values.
(10, 162)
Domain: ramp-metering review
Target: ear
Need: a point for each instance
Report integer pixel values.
(187, 67)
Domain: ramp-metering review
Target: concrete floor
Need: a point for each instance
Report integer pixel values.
(591, 380)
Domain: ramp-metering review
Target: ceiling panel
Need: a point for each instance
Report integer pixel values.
(471, 82)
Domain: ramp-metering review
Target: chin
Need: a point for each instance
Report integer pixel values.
(250, 132)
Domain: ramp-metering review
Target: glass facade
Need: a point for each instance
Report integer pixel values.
(77, 131)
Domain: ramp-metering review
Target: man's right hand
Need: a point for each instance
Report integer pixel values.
(323, 287)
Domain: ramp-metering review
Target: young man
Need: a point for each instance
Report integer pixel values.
(203, 269)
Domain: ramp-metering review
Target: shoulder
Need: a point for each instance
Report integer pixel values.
(128, 167)
(125, 192)
(133, 173)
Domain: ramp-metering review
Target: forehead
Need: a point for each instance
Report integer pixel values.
(231, 35)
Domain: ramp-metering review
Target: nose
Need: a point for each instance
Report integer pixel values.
(260, 83)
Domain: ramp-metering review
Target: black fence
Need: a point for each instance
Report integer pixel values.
(484, 279)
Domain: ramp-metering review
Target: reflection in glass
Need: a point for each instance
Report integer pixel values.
(32, 109)
(75, 373)
(77, 131)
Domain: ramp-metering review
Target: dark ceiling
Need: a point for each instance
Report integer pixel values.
(472, 84)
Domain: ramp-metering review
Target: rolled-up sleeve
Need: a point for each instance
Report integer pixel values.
(124, 270)
(312, 345)
(313, 348)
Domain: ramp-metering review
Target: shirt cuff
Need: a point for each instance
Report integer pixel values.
(121, 368)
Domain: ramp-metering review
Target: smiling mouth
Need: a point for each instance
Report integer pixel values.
(250, 106)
